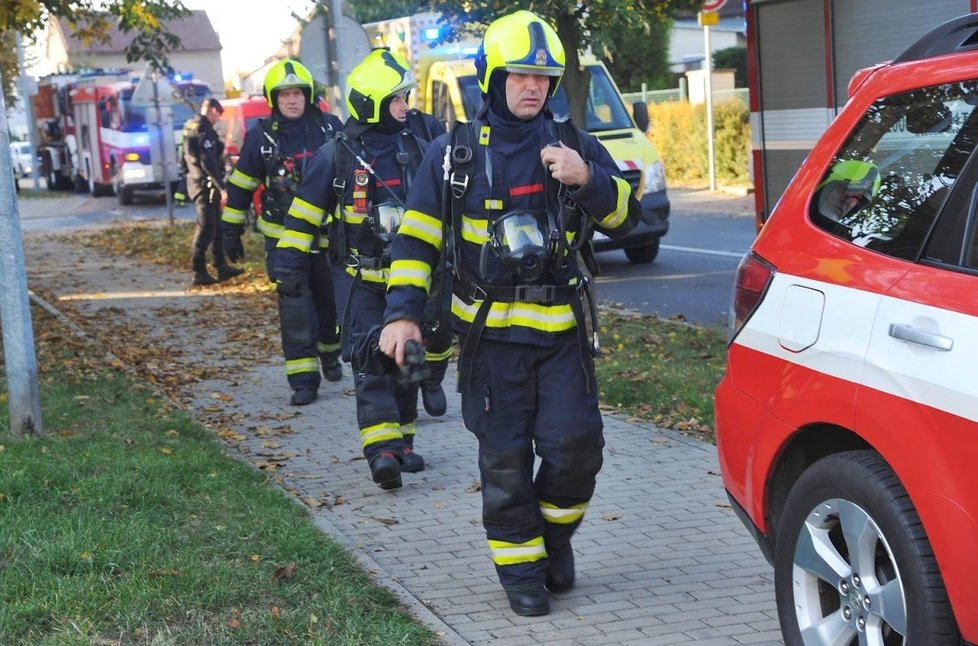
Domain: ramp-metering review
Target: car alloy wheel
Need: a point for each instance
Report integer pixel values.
(852, 561)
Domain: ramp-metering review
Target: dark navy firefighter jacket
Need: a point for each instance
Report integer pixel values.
(507, 174)
(295, 143)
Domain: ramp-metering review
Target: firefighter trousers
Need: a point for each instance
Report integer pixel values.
(519, 400)
(386, 409)
(307, 322)
(207, 234)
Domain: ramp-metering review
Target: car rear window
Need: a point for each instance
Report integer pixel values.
(888, 181)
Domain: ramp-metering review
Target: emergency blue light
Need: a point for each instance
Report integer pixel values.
(431, 33)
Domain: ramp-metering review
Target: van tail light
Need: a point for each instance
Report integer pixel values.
(754, 275)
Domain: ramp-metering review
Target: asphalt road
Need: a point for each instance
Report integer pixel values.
(692, 277)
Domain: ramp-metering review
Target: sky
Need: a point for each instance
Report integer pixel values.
(250, 30)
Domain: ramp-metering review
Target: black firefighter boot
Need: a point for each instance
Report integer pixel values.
(201, 277)
(330, 362)
(560, 570)
(432, 394)
(304, 396)
(528, 602)
(386, 470)
(227, 272)
(410, 461)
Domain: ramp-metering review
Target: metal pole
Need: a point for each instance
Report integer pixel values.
(25, 95)
(24, 400)
(708, 64)
(162, 142)
(337, 101)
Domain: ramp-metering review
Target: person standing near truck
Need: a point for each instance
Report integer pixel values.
(276, 154)
(518, 194)
(203, 158)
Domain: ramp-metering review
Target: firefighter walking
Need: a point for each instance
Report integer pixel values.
(520, 199)
(276, 154)
(356, 189)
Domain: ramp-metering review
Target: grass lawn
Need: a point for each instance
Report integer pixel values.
(127, 523)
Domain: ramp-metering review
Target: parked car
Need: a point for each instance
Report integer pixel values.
(23, 161)
(847, 420)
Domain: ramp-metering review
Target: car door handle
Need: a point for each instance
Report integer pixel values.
(911, 334)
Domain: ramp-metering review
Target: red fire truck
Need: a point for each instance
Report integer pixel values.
(98, 140)
(801, 57)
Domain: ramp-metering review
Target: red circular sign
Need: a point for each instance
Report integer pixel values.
(713, 5)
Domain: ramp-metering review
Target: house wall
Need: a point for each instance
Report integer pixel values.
(686, 44)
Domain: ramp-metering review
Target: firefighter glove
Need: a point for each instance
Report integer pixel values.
(233, 248)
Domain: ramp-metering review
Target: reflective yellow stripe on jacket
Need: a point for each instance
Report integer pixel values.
(546, 318)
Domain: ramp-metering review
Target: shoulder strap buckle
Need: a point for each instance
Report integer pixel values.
(459, 184)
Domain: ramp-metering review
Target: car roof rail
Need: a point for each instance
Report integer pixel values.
(956, 35)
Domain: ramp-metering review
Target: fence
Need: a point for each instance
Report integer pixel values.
(679, 94)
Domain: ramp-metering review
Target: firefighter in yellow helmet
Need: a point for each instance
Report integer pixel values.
(276, 154)
(353, 194)
(522, 198)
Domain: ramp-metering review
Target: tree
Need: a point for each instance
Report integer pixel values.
(8, 66)
(636, 56)
(587, 23)
(734, 58)
(90, 20)
(371, 11)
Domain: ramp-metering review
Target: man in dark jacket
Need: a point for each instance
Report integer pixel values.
(276, 154)
(522, 194)
(203, 156)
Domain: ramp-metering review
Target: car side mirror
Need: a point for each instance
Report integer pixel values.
(640, 112)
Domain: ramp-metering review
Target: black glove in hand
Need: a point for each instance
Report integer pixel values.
(233, 248)
(289, 284)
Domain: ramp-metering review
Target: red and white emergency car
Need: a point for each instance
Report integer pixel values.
(847, 420)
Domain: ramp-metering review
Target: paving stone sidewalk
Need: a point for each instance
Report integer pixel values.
(661, 557)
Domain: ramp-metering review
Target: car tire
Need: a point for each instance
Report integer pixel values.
(839, 499)
(125, 194)
(643, 254)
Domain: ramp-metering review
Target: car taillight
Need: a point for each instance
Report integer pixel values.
(754, 275)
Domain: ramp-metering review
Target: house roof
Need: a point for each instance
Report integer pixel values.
(195, 32)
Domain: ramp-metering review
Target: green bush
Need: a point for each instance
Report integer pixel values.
(679, 133)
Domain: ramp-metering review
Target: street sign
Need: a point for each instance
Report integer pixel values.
(708, 18)
(145, 95)
(713, 5)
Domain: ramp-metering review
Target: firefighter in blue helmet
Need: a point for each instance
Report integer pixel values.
(354, 194)
(276, 153)
(519, 202)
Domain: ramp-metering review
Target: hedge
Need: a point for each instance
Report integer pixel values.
(678, 131)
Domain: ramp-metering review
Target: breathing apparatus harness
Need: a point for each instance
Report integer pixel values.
(532, 244)
(281, 176)
(380, 225)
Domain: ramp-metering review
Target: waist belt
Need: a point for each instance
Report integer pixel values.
(542, 294)
(368, 262)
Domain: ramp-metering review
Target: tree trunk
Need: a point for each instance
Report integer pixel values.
(577, 79)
